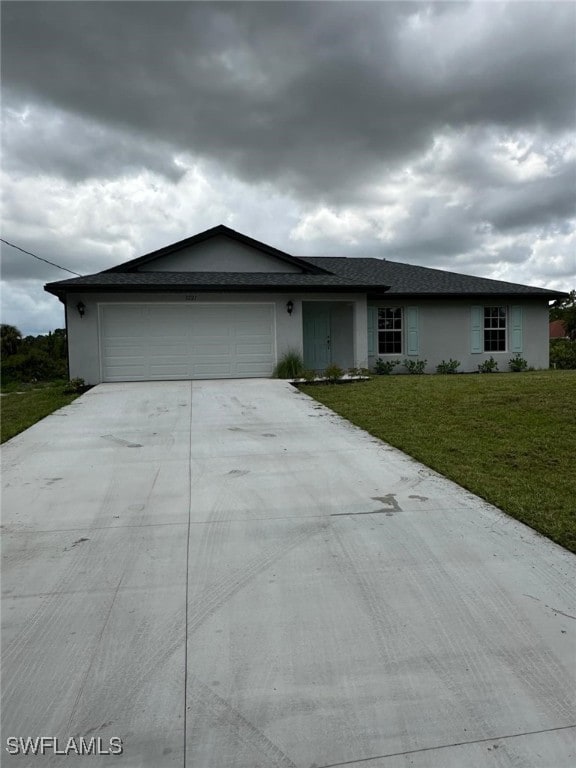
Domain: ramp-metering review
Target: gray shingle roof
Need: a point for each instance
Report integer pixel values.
(405, 279)
(215, 281)
(374, 276)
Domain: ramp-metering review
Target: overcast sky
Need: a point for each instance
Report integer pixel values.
(440, 134)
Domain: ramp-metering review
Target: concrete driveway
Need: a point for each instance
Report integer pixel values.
(225, 574)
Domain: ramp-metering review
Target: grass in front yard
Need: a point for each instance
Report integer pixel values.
(25, 404)
(510, 438)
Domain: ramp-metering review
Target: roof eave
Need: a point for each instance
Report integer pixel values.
(536, 294)
(61, 291)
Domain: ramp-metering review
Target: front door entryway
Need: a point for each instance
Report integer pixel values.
(317, 332)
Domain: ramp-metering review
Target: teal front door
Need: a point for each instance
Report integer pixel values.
(316, 322)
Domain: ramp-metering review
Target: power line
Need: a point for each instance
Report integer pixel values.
(39, 257)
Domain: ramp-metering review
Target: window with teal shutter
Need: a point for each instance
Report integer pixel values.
(516, 329)
(476, 329)
(390, 330)
(412, 334)
(495, 329)
(372, 329)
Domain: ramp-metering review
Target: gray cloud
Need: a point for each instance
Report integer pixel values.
(63, 144)
(312, 95)
(437, 133)
(541, 202)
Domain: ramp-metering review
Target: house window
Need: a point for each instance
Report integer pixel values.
(494, 329)
(390, 331)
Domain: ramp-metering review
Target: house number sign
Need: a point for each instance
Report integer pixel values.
(191, 297)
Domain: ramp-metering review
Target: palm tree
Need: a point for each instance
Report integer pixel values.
(10, 338)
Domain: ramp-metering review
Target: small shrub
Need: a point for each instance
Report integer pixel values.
(415, 367)
(364, 372)
(563, 354)
(290, 366)
(354, 372)
(308, 375)
(488, 366)
(385, 367)
(75, 386)
(448, 367)
(333, 372)
(518, 364)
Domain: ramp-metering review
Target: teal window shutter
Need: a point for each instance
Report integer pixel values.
(372, 330)
(413, 344)
(476, 326)
(516, 329)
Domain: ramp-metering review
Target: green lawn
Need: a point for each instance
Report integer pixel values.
(508, 437)
(26, 404)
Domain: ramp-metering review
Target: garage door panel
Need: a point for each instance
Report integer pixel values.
(209, 318)
(183, 341)
(128, 373)
(218, 348)
(121, 356)
(167, 350)
(259, 350)
(253, 369)
(209, 372)
(206, 359)
(169, 371)
(212, 372)
(160, 360)
(126, 347)
(203, 332)
(120, 320)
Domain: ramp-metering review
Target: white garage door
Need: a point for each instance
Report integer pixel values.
(142, 342)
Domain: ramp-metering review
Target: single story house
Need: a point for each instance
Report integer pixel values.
(223, 305)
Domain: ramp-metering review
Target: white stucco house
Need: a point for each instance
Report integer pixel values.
(223, 305)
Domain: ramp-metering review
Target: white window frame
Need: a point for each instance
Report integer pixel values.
(382, 332)
(496, 324)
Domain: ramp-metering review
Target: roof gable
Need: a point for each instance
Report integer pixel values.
(219, 249)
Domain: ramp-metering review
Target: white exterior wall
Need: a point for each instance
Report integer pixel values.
(219, 254)
(83, 333)
(444, 329)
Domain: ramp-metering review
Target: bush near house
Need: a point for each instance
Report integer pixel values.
(518, 364)
(488, 366)
(333, 372)
(448, 367)
(562, 354)
(415, 367)
(385, 367)
(290, 366)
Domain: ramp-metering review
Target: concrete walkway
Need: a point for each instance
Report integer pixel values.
(227, 575)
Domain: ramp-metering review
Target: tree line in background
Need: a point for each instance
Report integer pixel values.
(33, 358)
(45, 357)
